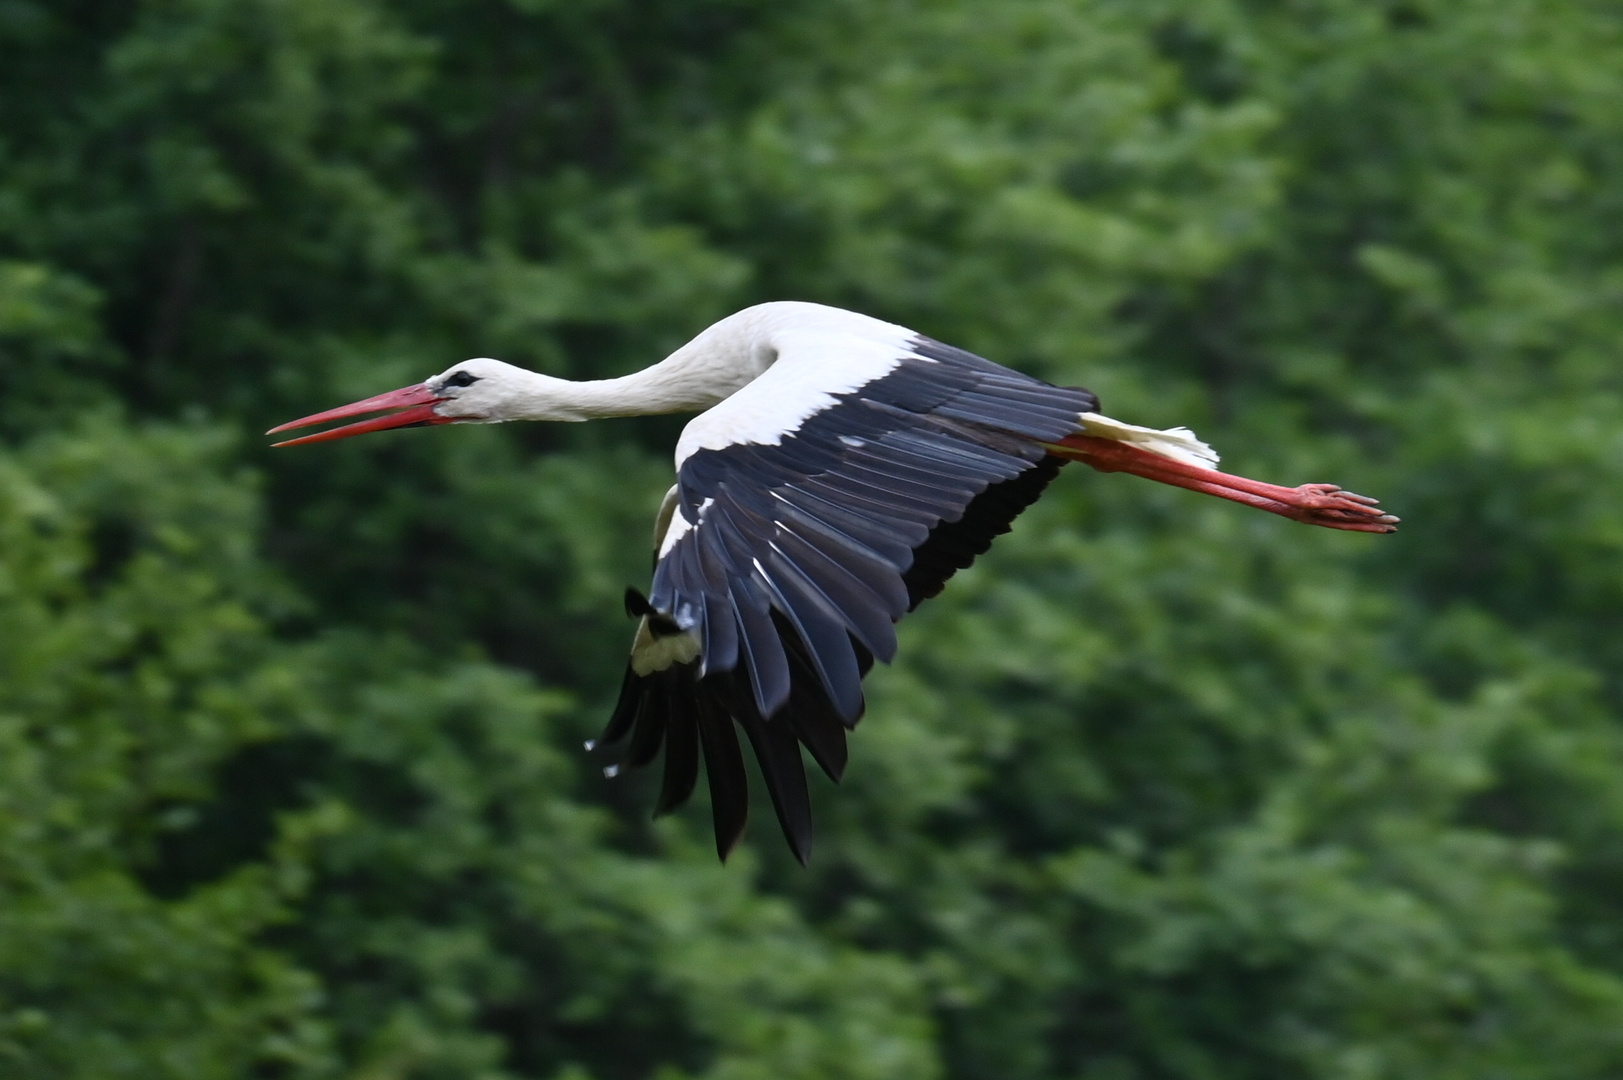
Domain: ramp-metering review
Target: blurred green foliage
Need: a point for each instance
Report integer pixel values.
(290, 779)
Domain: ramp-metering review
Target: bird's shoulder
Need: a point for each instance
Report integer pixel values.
(814, 364)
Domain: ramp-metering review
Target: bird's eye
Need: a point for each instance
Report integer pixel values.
(459, 379)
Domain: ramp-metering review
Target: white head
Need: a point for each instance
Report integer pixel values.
(486, 391)
(478, 391)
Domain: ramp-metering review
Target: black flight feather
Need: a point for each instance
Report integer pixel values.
(681, 746)
(804, 554)
(724, 769)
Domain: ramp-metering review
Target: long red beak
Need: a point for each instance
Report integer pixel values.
(416, 405)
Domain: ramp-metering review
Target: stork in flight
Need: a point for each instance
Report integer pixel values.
(840, 470)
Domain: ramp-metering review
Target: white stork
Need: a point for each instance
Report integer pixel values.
(840, 470)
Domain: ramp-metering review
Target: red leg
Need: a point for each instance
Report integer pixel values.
(1312, 504)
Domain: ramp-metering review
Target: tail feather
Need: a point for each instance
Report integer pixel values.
(1179, 444)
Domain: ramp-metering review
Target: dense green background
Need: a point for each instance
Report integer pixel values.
(290, 778)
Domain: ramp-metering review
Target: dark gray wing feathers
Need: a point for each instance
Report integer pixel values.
(803, 556)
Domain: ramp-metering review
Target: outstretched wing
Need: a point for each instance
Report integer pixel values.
(813, 510)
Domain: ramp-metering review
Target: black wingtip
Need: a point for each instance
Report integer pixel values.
(681, 756)
(625, 712)
(724, 768)
(801, 845)
(724, 846)
(778, 752)
(637, 604)
(648, 730)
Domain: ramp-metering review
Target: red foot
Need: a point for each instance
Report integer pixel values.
(1312, 504)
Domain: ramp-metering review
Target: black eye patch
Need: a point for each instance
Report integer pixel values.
(460, 378)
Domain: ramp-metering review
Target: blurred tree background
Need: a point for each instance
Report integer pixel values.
(290, 778)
